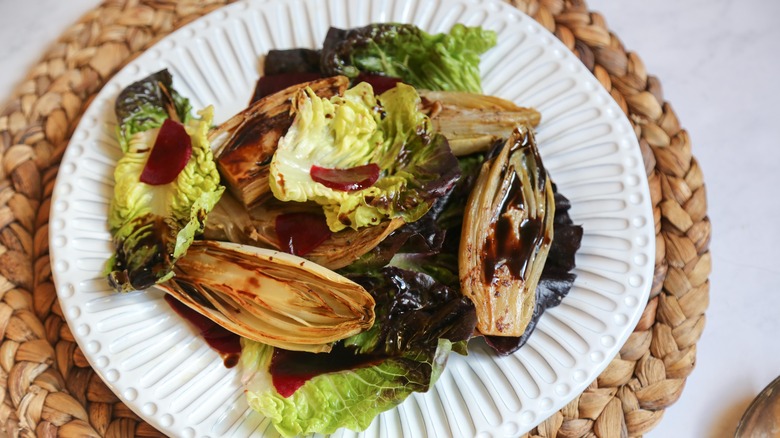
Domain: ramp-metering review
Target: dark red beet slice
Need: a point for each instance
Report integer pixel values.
(171, 152)
(346, 180)
(300, 233)
(380, 84)
(224, 342)
(286, 385)
(270, 84)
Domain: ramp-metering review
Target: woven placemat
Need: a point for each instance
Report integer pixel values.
(46, 385)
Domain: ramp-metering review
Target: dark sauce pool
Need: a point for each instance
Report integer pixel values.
(224, 342)
(289, 369)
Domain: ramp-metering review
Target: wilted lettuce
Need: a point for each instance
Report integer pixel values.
(444, 61)
(153, 225)
(357, 129)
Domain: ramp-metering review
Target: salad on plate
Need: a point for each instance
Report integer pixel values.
(369, 213)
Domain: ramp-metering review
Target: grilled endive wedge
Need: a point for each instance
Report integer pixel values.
(506, 235)
(231, 221)
(270, 297)
(474, 122)
(245, 143)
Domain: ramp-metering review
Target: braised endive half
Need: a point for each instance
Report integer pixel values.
(230, 221)
(270, 297)
(473, 122)
(506, 235)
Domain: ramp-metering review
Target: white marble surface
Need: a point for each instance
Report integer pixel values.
(718, 63)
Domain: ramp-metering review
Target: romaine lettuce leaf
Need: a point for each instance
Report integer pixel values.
(348, 399)
(153, 225)
(355, 130)
(418, 322)
(445, 61)
(145, 105)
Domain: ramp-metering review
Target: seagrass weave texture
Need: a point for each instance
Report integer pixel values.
(47, 388)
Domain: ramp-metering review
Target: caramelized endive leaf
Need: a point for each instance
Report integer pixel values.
(506, 235)
(270, 297)
(232, 222)
(557, 276)
(473, 122)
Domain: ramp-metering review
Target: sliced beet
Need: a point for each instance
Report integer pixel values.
(379, 83)
(300, 233)
(346, 180)
(286, 385)
(171, 151)
(271, 84)
(292, 61)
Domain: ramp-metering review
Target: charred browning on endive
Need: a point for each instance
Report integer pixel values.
(346, 246)
(246, 142)
(230, 221)
(506, 235)
(473, 122)
(270, 297)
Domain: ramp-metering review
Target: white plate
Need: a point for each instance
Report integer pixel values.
(157, 365)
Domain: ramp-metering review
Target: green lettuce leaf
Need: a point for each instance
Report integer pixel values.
(145, 105)
(419, 321)
(152, 226)
(445, 61)
(348, 399)
(358, 129)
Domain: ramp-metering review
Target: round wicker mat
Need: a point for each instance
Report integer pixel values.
(47, 385)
